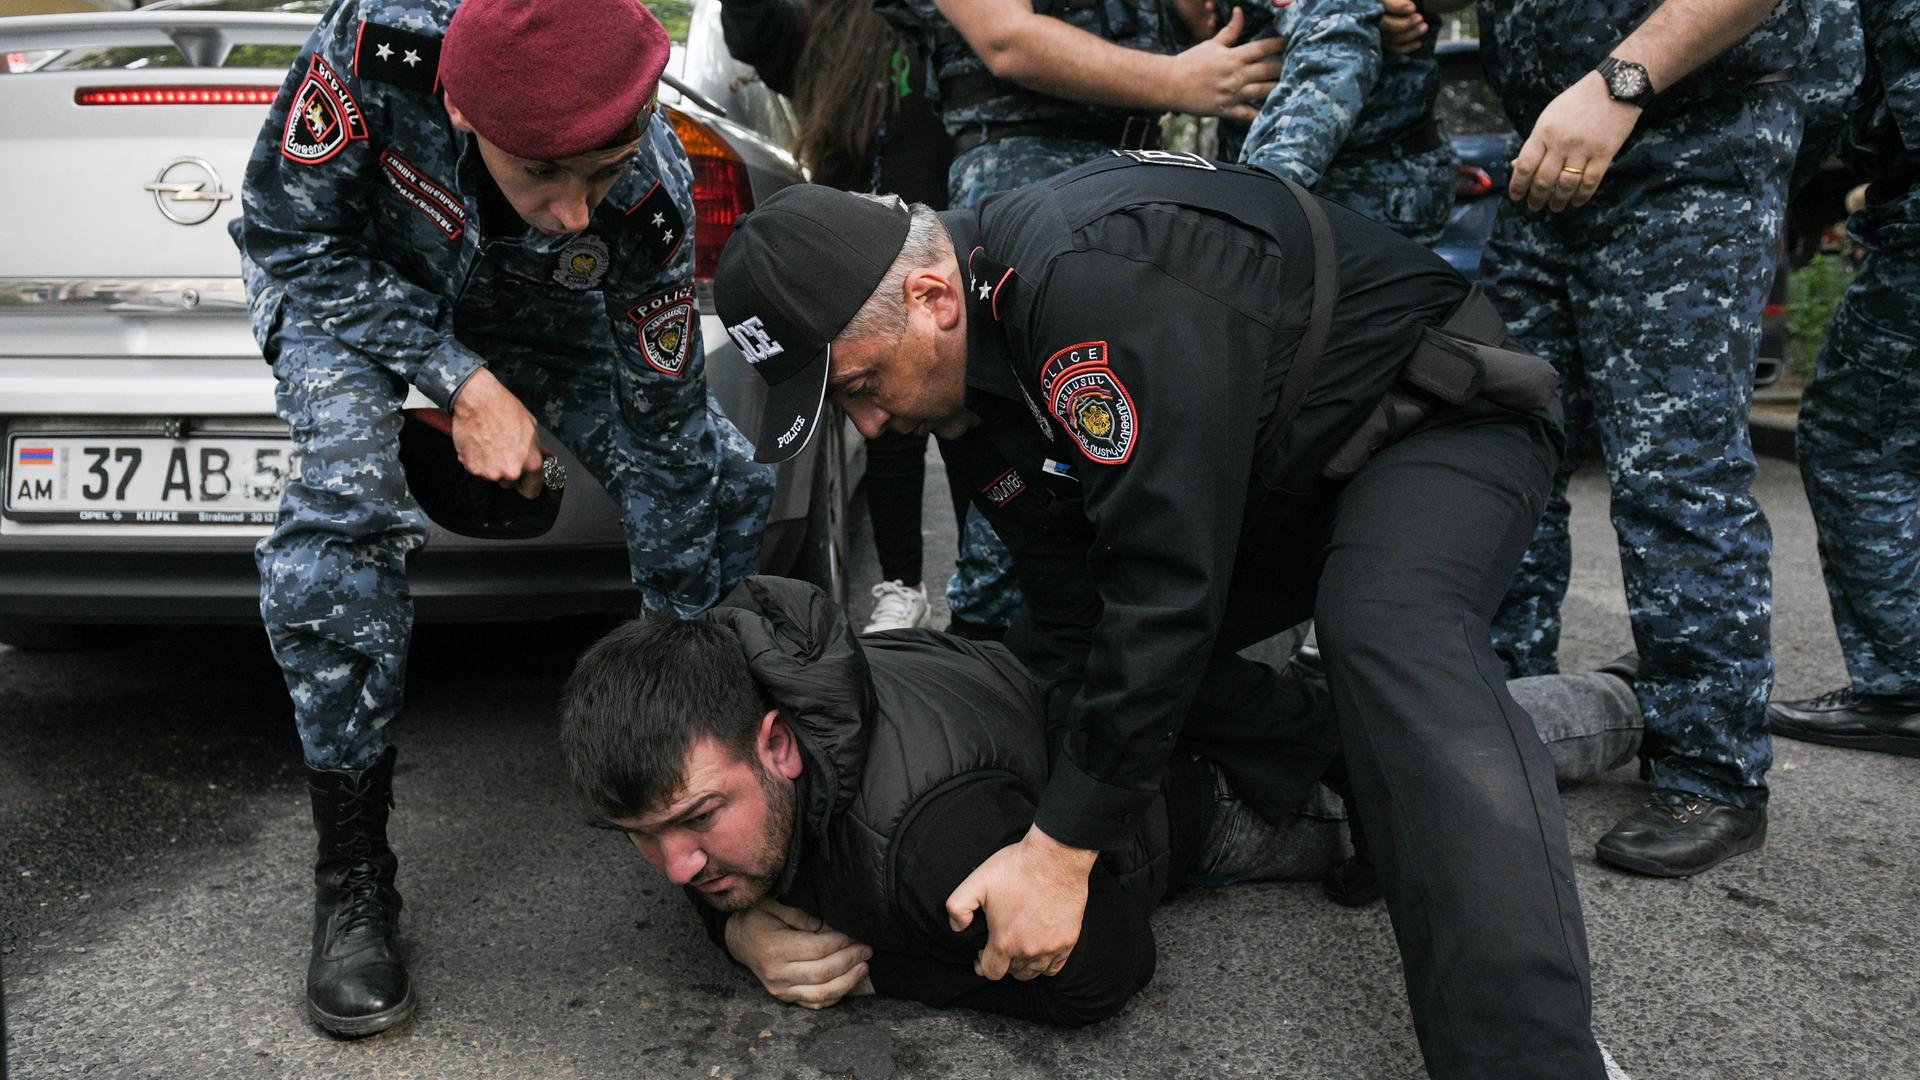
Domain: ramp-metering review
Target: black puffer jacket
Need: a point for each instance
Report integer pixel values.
(913, 722)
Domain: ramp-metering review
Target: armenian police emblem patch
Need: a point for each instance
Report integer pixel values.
(1090, 402)
(583, 262)
(664, 325)
(323, 119)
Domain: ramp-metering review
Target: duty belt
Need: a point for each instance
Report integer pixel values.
(1462, 359)
(1128, 133)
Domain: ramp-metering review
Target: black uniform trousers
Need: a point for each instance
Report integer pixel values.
(1452, 784)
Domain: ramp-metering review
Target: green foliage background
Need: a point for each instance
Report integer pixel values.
(1813, 292)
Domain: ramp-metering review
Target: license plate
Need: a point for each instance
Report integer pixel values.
(124, 478)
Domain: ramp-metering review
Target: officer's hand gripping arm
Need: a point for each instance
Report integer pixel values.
(1212, 78)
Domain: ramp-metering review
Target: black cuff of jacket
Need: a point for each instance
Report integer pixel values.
(1082, 812)
(916, 978)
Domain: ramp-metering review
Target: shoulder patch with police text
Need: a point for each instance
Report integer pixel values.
(422, 193)
(1168, 157)
(659, 223)
(397, 57)
(1090, 402)
(664, 325)
(1087, 352)
(323, 119)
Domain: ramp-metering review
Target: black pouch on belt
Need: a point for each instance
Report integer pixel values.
(1462, 359)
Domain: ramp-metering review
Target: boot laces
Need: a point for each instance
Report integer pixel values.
(364, 903)
(1835, 699)
(897, 605)
(1679, 805)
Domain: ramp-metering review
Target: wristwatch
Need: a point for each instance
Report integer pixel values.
(1626, 81)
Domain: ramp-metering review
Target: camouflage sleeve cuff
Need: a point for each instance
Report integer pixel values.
(445, 370)
(1082, 812)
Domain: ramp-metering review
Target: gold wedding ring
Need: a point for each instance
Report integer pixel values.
(1574, 171)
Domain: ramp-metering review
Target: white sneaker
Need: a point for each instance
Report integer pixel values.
(899, 606)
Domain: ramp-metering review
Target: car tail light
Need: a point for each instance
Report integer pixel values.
(175, 95)
(722, 190)
(1472, 182)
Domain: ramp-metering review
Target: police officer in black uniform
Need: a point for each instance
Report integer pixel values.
(1204, 406)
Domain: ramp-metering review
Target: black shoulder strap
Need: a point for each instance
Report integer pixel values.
(1313, 342)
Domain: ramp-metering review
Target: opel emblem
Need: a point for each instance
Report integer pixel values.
(188, 191)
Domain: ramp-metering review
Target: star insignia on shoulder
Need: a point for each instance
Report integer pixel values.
(410, 58)
(986, 290)
(383, 50)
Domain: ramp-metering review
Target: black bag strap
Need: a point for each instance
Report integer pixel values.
(1313, 341)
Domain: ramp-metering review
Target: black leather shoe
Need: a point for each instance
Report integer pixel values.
(1680, 835)
(356, 982)
(1354, 883)
(1857, 721)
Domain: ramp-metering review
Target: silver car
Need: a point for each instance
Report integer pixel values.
(142, 453)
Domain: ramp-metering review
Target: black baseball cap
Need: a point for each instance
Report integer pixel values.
(794, 274)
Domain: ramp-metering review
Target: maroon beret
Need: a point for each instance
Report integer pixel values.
(549, 79)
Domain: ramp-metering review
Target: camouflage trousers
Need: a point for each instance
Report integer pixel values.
(333, 572)
(1648, 303)
(982, 590)
(1859, 445)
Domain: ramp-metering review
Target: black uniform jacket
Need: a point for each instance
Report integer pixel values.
(1129, 326)
(925, 754)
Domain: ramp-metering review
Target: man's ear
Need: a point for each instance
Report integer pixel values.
(453, 114)
(936, 289)
(779, 748)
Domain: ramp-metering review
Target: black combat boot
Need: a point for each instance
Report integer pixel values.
(356, 983)
(1841, 717)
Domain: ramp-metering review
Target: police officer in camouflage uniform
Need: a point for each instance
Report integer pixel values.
(1355, 124)
(482, 202)
(1645, 292)
(1859, 432)
(1030, 90)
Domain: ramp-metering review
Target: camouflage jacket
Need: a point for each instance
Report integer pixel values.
(362, 222)
(970, 95)
(1534, 49)
(1337, 90)
(1885, 139)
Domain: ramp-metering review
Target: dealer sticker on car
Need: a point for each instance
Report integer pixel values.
(128, 478)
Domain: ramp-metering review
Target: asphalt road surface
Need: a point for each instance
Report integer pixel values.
(155, 897)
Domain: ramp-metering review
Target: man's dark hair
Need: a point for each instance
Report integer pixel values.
(641, 697)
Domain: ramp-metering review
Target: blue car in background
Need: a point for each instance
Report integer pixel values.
(1475, 124)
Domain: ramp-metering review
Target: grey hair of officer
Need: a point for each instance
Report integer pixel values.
(884, 315)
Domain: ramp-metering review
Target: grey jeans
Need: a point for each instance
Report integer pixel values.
(1590, 722)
